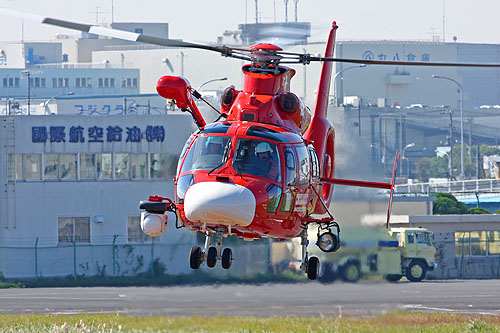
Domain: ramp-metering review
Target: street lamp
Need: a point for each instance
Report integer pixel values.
(337, 74)
(213, 80)
(443, 152)
(44, 104)
(462, 175)
(404, 158)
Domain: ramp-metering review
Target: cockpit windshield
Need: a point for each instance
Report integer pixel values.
(207, 153)
(258, 158)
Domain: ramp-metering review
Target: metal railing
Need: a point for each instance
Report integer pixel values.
(459, 186)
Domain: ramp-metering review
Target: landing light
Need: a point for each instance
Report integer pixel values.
(328, 242)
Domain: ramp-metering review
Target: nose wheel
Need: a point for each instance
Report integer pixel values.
(212, 253)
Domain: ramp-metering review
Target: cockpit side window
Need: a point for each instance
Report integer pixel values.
(291, 166)
(314, 164)
(258, 158)
(206, 153)
(304, 164)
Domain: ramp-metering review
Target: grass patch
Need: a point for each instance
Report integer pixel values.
(394, 322)
(196, 278)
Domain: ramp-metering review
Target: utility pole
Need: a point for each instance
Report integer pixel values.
(286, 10)
(296, 5)
(451, 143)
(256, 11)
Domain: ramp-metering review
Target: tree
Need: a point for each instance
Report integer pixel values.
(446, 203)
(477, 210)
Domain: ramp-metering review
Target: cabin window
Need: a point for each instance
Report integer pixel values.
(257, 158)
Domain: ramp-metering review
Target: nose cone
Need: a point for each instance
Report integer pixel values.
(219, 203)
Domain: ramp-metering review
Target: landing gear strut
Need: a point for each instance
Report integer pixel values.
(310, 266)
(211, 253)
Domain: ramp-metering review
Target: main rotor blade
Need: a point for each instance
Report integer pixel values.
(120, 34)
(401, 63)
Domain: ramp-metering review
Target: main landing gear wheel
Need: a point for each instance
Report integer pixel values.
(227, 258)
(195, 257)
(211, 257)
(313, 268)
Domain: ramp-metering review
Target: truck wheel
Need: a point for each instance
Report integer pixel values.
(393, 277)
(416, 271)
(327, 273)
(350, 272)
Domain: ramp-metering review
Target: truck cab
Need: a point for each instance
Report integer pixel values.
(413, 257)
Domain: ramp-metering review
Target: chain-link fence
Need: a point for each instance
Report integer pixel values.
(116, 260)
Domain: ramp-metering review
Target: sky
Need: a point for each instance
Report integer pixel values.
(203, 20)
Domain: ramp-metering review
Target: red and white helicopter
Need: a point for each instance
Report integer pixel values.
(266, 168)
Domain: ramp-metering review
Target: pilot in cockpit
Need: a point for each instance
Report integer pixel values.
(213, 146)
(264, 154)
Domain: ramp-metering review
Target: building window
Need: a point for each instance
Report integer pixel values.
(104, 166)
(106, 82)
(100, 82)
(33, 166)
(51, 166)
(74, 229)
(68, 166)
(11, 82)
(77, 82)
(87, 166)
(54, 83)
(15, 167)
(493, 242)
(139, 166)
(37, 82)
(134, 231)
(159, 167)
(134, 83)
(66, 83)
(89, 82)
(112, 82)
(122, 166)
(42, 82)
(477, 243)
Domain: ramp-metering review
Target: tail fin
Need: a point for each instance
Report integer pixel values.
(326, 75)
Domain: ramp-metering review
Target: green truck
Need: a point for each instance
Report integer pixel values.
(399, 252)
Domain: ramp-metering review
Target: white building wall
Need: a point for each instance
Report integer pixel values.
(36, 205)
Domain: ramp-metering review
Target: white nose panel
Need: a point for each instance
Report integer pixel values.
(219, 203)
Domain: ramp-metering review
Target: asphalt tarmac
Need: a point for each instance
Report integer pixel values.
(300, 299)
